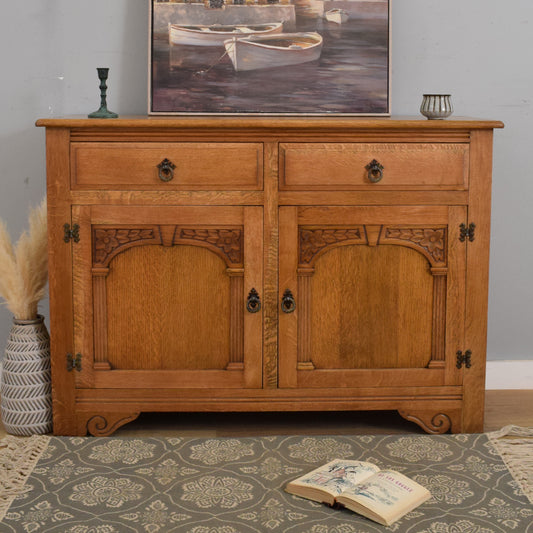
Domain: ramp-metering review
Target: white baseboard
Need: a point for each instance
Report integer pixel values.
(509, 374)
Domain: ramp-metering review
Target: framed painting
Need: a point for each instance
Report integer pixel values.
(269, 57)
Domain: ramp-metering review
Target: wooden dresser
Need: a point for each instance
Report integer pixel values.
(268, 264)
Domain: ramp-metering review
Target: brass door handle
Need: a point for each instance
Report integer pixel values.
(375, 171)
(166, 170)
(253, 303)
(288, 303)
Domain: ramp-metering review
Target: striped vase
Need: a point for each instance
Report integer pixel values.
(26, 385)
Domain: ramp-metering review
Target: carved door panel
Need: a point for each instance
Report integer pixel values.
(371, 296)
(161, 296)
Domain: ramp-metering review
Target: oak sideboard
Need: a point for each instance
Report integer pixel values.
(268, 264)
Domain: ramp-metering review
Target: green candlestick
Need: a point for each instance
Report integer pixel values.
(103, 112)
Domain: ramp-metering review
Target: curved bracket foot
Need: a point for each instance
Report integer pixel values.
(431, 422)
(103, 425)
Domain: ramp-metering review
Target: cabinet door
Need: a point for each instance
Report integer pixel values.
(161, 296)
(371, 296)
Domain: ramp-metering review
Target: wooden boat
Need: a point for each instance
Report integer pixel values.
(267, 51)
(338, 16)
(216, 34)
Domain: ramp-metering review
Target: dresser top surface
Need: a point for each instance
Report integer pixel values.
(340, 123)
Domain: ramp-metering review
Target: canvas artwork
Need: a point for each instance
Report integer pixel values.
(272, 57)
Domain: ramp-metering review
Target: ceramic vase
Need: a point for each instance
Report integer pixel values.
(436, 106)
(26, 385)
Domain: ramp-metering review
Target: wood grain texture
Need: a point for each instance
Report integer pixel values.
(60, 279)
(253, 279)
(168, 308)
(270, 267)
(439, 316)
(387, 394)
(236, 342)
(197, 380)
(371, 307)
(288, 322)
(154, 294)
(197, 166)
(456, 297)
(166, 198)
(406, 196)
(101, 361)
(254, 125)
(343, 166)
(383, 215)
(84, 311)
(218, 216)
(477, 277)
(305, 328)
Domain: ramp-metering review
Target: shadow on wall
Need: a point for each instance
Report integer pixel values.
(129, 87)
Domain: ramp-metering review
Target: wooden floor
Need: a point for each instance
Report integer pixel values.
(501, 408)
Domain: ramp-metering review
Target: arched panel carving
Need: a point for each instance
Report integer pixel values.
(431, 242)
(226, 242)
(314, 242)
(110, 241)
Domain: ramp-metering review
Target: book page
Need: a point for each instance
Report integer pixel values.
(387, 494)
(337, 476)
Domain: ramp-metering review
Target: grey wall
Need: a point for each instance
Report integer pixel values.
(478, 50)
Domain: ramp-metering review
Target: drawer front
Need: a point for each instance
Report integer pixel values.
(167, 166)
(345, 166)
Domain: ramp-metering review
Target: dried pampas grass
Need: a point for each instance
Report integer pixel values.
(24, 267)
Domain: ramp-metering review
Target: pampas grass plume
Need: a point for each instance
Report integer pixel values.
(24, 267)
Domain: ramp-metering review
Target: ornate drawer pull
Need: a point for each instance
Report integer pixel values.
(375, 171)
(166, 170)
(253, 303)
(288, 304)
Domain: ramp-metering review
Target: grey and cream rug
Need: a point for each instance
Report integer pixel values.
(480, 483)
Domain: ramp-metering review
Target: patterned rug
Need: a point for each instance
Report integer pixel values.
(230, 485)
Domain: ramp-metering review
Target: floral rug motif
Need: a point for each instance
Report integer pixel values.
(235, 485)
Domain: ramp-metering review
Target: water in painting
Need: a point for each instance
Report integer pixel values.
(296, 57)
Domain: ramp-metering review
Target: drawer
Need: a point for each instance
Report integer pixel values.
(329, 166)
(167, 166)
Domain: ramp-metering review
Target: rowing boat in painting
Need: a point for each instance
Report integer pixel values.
(216, 34)
(267, 51)
(338, 16)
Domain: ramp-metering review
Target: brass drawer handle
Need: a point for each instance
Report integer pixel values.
(288, 303)
(253, 303)
(375, 171)
(166, 170)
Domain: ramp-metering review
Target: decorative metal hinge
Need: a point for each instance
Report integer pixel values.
(74, 362)
(464, 359)
(467, 232)
(71, 233)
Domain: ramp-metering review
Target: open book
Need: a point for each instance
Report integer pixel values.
(381, 495)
